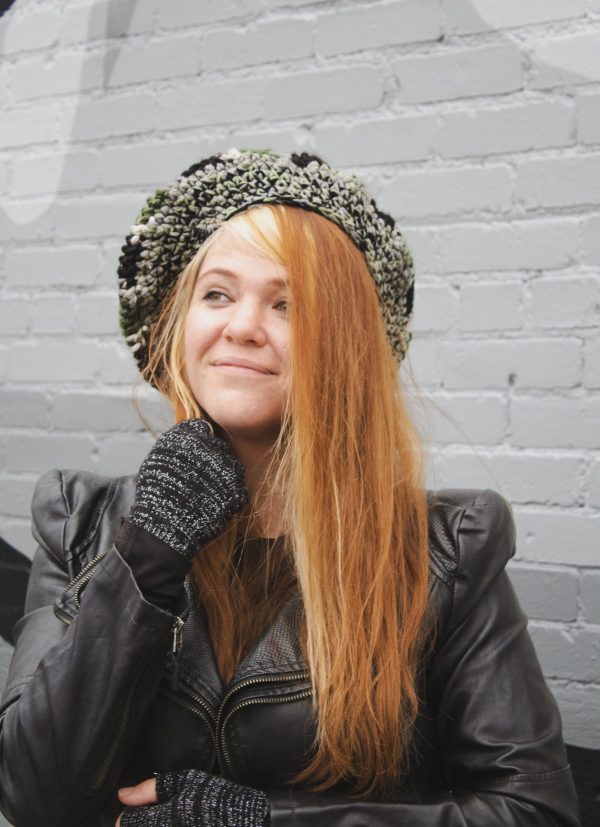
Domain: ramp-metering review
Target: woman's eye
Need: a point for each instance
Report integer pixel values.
(213, 293)
(217, 297)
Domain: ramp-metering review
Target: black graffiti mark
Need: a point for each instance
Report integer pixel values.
(14, 566)
(14, 574)
(5, 6)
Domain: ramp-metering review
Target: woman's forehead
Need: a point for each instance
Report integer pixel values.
(229, 269)
(232, 256)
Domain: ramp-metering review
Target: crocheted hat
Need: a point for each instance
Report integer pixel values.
(174, 222)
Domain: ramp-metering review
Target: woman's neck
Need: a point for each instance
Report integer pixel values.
(255, 457)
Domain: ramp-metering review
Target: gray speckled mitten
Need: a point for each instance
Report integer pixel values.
(192, 798)
(188, 488)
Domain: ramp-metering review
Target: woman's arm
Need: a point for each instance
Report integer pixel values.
(499, 727)
(82, 681)
(77, 692)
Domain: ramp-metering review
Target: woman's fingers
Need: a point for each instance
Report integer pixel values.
(143, 793)
(137, 797)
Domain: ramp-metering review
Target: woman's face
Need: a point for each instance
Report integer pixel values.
(236, 339)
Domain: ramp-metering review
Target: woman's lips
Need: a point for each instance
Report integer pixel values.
(241, 370)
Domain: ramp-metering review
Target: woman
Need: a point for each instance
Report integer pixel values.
(273, 621)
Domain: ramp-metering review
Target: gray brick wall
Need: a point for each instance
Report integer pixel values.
(475, 122)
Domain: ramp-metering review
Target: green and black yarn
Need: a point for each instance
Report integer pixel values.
(174, 222)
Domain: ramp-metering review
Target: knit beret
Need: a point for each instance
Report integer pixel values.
(175, 221)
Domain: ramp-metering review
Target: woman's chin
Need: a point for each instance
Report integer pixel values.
(246, 427)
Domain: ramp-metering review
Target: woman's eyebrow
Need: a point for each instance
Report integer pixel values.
(223, 271)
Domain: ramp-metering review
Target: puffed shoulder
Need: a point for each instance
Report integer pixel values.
(484, 543)
(68, 507)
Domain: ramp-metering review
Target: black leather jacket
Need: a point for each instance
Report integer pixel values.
(90, 703)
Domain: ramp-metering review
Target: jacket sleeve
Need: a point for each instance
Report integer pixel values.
(78, 688)
(499, 728)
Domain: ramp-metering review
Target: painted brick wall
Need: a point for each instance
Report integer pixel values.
(476, 124)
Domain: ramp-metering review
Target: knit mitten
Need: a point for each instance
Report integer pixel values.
(196, 799)
(188, 488)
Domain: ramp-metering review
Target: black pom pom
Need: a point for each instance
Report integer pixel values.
(127, 268)
(304, 159)
(383, 215)
(410, 299)
(214, 159)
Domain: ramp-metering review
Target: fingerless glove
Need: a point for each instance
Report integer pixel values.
(193, 798)
(188, 488)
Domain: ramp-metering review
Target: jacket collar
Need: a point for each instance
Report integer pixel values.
(277, 652)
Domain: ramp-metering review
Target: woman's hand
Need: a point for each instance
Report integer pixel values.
(189, 487)
(142, 794)
(195, 799)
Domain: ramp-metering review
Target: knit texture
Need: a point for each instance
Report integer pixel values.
(188, 487)
(192, 798)
(175, 221)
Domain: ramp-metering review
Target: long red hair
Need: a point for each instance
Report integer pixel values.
(349, 461)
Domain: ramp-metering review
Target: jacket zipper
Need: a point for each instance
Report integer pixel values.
(176, 650)
(198, 707)
(296, 696)
(222, 752)
(62, 616)
(84, 576)
(200, 704)
(123, 721)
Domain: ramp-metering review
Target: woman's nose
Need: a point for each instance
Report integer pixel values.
(245, 323)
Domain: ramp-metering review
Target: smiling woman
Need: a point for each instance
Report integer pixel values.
(236, 338)
(273, 622)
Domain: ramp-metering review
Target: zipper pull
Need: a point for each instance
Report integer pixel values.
(175, 651)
